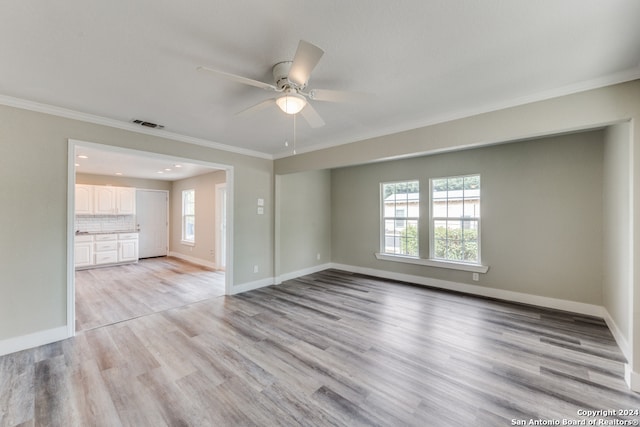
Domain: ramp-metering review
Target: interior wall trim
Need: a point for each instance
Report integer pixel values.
(24, 342)
(54, 110)
(299, 273)
(547, 302)
(250, 286)
(194, 260)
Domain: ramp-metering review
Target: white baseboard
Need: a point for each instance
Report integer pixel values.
(299, 273)
(250, 286)
(621, 340)
(555, 303)
(36, 339)
(632, 378)
(193, 260)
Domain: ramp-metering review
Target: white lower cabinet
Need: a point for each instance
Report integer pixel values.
(83, 251)
(127, 247)
(103, 249)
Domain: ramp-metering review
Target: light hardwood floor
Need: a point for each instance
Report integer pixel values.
(112, 294)
(331, 348)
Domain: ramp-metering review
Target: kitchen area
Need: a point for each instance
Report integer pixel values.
(129, 259)
(106, 229)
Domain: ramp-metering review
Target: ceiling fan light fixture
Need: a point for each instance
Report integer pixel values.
(291, 103)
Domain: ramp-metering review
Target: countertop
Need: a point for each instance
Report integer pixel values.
(93, 233)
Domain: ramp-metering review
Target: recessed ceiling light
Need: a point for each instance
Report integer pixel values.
(168, 169)
(160, 172)
(118, 173)
(82, 156)
(177, 166)
(77, 164)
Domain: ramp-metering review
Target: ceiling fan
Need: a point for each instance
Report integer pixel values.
(290, 82)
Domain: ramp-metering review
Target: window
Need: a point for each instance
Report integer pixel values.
(455, 219)
(400, 212)
(188, 216)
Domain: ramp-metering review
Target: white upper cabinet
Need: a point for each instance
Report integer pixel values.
(126, 201)
(84, 199)
(114, 200)
(104, 200)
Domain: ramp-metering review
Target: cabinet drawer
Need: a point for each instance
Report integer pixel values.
(128, 236)
(106, 257)
(84, 238)
(107, 246)
(105, 237)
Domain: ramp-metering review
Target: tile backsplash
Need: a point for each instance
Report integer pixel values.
(105, 223)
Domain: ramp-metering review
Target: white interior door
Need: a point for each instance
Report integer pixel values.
(153, 221)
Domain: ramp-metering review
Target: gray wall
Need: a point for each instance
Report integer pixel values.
(303, 221)
(205, 230)
(541, 214)
(33, 190)
(590, 109)
(617, 226)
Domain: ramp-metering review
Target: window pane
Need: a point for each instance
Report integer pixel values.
(189, 228)
(472, 182)
(439, 185)
(455, 209)
(470, 251)
(472, 207)
(400, 201)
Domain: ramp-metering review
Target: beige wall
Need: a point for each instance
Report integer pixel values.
(303, 221)
(541, 223)
(33, 190)
(205, 232)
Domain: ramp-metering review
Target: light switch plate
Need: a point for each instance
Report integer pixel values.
(260, 202)
(260, 210)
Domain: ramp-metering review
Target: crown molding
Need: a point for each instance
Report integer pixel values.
(609, 80)
(24, 104)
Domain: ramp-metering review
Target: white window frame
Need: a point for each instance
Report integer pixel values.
(433, 219)
(186, 240)
(396, 218)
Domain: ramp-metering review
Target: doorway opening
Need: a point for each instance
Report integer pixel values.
(166, 275)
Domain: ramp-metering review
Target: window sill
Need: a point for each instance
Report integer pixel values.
(186, 243)
(474, 268)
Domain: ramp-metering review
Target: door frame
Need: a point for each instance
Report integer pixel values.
(71, 183)
(218, 222)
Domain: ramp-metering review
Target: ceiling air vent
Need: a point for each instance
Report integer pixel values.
(148, 124)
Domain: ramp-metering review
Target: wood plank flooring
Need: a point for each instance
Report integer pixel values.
(112, 294)
(329, 349)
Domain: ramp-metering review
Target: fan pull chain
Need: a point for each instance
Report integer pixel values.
(294, 134)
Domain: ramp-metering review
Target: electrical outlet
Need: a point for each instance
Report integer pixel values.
(318, 256)
(476, 277)
(255, 269)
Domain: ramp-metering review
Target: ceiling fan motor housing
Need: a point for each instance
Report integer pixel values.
(281, 76)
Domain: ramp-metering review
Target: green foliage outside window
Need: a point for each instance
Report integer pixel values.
(409, 240)
(456, 244)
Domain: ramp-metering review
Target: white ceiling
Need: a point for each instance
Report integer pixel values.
(425, 61)
(133, 164)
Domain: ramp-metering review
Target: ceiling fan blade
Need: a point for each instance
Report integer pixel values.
(311, 116)
(340, 96)
(306, 58)
(238, 79)
(257, 107)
